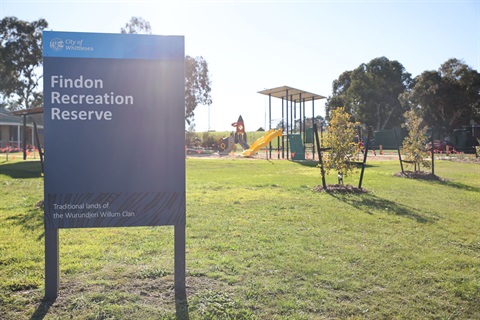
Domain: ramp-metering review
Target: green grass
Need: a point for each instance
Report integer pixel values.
(260, 245)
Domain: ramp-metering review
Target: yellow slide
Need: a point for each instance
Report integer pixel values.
(261, 142)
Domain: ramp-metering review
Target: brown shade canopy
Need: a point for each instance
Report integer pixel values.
(22, 112)
(295, 95)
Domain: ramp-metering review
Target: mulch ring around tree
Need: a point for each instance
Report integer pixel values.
(339, 188)
(423, 175)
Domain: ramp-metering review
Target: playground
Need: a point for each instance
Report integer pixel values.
(291, 138)
(296, 135)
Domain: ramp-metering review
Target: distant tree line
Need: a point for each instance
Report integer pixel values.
(379, 93)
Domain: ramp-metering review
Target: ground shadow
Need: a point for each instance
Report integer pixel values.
(369, 203)
(457, 185)
(31, 221)
(181, 306)
(428, 177)
(21, 170)
(42, 310)
(314, 163)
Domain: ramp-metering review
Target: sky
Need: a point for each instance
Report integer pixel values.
(254, 45)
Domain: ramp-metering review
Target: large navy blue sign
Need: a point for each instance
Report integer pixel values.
(114, 130)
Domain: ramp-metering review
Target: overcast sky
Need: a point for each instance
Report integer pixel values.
(256, 45)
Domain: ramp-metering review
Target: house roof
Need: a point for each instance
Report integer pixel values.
(15, 117)
(7, 117)
(30, 111)
(296, 95)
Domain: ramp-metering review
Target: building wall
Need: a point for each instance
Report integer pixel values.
(5, 137)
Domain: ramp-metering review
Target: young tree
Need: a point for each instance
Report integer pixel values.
(341, 137)
(20, 57)
(197, 77)
(414, 144)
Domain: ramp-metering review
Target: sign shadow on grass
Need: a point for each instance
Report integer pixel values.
(42, 310)
(181, 306)
(370, 203)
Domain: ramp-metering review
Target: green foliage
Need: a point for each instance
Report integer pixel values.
(153, 273)
(370, 93)
(197, 86)
(215, 305)
(341, 136)
(137, 25)
(449, 97)
(20, 57)
(414, 143)
(191, 138)
(209, 141)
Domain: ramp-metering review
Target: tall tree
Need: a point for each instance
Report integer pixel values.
(449, 97)
(137, 25)
(20, 57)
(197, 86)
(370, 93)
(197, 77)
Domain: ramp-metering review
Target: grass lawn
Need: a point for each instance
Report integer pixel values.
(261, 244)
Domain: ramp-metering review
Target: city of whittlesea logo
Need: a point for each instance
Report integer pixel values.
(56, 44)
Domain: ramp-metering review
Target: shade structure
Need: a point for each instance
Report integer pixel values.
(293, 139)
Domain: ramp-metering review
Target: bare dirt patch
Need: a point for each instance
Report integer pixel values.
(423, 175)
(474, 160)
(86, 295)
(340, 188)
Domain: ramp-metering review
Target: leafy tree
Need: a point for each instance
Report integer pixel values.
(414, 144)
(197, 86)
(209, 141)
(20, 57)
(281, 124)
(137, 25)
(197, 77)
(449, 97)
(190, 135)
(370, 93)
(341, 136)
(319, 120)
